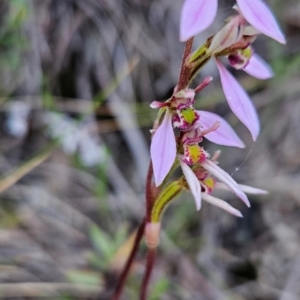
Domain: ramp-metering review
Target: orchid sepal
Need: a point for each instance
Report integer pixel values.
(163, 149)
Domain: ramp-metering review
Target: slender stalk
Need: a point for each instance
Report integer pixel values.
(119, 288)
(149, 267)
(183, 80)
(149, 193)
(149, 202)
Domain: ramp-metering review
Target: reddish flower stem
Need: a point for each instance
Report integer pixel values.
(149, 201)
(149, 193)
(185, 71)
(119, 288)
(149, 267)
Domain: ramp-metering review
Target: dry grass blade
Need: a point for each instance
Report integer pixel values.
(109, 89)
(123, 253)
(21, 171)
(33, 289)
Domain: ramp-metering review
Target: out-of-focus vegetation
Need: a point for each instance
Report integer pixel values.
(77, 77)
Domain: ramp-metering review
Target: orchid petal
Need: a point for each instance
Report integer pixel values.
(193, 183)
(245, 188)
(224, 135)
(258, 68)
(221, 204)
(252, 190)
(226, 179)
(196, 16)
(163, 149)
(239, 101)
(258, 14)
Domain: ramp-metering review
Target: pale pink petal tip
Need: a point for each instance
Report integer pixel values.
(252, 190)
(222, 204)
(258, 14)
(226, 179)
(223, 135)
(193, 183)
(196, 16)
(258, 68)
(157, 104)
(245, 188)
(163, 149)
(239, 101)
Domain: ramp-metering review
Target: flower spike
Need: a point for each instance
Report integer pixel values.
(258, 14)
(163, 149)
(196, 16)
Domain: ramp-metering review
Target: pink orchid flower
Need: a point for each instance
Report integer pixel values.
(197, 15)
(237, 98)
(163, 145)
(226, 182)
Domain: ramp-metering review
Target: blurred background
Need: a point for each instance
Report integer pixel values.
(76, 81)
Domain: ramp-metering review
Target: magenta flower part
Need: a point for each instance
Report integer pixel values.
(163, 149)
(258, 14)
(239, 101)
(196, 16)
(258, 68)
(223, 135)
(193, 183)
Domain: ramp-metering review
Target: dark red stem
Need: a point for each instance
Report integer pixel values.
(149, 201)
(149, 193)
(119, 288)
(184, 70)
(149, 267)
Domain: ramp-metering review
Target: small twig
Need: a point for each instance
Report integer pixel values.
(119, 288)
(149, 267)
